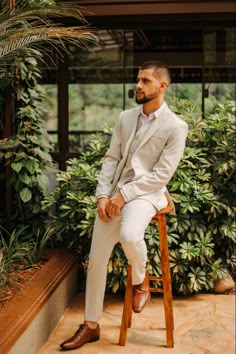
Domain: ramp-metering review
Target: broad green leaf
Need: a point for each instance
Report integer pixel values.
(25, 195)
(44, 155)
(8, 154)
(34, 139)
(43, 182)
(31, 165)
(25, 178)
(16, 166)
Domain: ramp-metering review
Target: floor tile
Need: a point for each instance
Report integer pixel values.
(204, 324)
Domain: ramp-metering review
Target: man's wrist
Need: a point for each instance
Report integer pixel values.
(123, 195)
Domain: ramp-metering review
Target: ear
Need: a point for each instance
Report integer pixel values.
(163, 85)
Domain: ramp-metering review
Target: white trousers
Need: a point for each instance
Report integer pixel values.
(128, 229)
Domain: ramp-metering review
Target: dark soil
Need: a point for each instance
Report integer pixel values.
(18, 280)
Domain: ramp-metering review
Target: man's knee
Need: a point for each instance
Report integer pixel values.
(129, 236)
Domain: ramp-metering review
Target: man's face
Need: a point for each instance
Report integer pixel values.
(147, 86)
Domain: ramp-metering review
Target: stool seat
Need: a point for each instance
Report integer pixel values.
(165, 279)
(169, 209)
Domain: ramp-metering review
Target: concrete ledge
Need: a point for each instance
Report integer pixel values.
(29, 318)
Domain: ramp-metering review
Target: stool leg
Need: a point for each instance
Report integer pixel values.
(166, 280)
(127, 309)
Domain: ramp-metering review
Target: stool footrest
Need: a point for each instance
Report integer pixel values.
(153, 277)
(156, 290)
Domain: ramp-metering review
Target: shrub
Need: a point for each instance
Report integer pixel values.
(201, 234)
(72, 206)
(18, 252)
(31, 31)
(27, 153)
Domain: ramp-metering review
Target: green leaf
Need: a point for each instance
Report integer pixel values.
(31, 60)
(31, 165)
(8, 154)
(25, 195)
(34, 139)
(25, 178)
(16, 166)
(188, 250)
(43, 182)
(44, 155)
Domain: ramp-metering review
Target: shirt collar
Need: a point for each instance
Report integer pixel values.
(153, 114)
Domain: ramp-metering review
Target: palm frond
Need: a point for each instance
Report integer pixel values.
(52, 35)
(27, 13)
(25, 29)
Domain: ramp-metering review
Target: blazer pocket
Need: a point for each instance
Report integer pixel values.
(158, 137)
(155, 145)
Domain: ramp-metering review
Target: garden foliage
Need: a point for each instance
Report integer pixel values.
(202, 233)
(25, 26)
(30, 31)
(27, 152)
(17, 254)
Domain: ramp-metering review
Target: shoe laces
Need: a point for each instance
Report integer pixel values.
(81, 327)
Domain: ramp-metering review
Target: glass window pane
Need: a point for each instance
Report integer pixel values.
(97, 91)
(219, 93)
(51, 113)
(91, 107)
(186, 91)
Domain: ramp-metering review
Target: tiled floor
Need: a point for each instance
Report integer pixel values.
(204, 324)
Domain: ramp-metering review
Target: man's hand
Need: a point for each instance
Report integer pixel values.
(115, 204)
(102, 202)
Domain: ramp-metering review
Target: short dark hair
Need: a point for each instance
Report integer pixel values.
(160, 68)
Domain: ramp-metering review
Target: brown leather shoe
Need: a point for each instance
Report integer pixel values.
(141, 295)
(83, 335)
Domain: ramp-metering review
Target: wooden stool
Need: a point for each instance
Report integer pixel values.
(166, 289)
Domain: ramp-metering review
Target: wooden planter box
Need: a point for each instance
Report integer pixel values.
(30, 316)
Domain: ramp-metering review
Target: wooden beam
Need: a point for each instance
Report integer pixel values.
(131, 7)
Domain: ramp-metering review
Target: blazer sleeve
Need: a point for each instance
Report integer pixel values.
(164, 168)
(111, 160)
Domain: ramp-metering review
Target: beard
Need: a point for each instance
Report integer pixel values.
(145, 99)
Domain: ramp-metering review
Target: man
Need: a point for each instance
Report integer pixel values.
(146, 147)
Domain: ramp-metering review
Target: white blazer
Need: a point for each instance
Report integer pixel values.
(154, 161)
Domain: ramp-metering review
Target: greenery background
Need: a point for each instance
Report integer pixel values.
(201, 236)
(93, 105)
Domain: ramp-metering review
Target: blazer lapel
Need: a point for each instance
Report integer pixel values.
(122, 163)
(157, 124)
(132, 134)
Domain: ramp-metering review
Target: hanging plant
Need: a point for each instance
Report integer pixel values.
(28, 151)
(28, 30)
